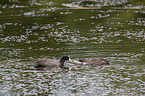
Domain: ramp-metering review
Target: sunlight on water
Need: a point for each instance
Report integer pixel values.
(37, 29)
(103, 80)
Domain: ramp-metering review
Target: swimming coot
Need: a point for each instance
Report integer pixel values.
(92, 61)
(50, 63)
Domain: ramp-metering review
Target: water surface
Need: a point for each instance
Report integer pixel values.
(50, 29)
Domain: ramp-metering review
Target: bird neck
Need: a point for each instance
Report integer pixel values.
(62, 63)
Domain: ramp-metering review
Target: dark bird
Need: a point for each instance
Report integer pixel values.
(92, 61)
(51, 63)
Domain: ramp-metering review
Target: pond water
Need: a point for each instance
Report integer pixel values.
(34, 29)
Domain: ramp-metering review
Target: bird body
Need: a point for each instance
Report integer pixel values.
(51, 63)
(92, 61)
(47, 63)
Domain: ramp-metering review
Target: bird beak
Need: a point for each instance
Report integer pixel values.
(73, 60)
(70, 60)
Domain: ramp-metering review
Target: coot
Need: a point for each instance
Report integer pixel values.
(51, 63)
(92, 61)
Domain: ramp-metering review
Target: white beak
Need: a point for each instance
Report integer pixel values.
(70, 60)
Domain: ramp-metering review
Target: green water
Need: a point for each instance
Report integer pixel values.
(34, 29)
